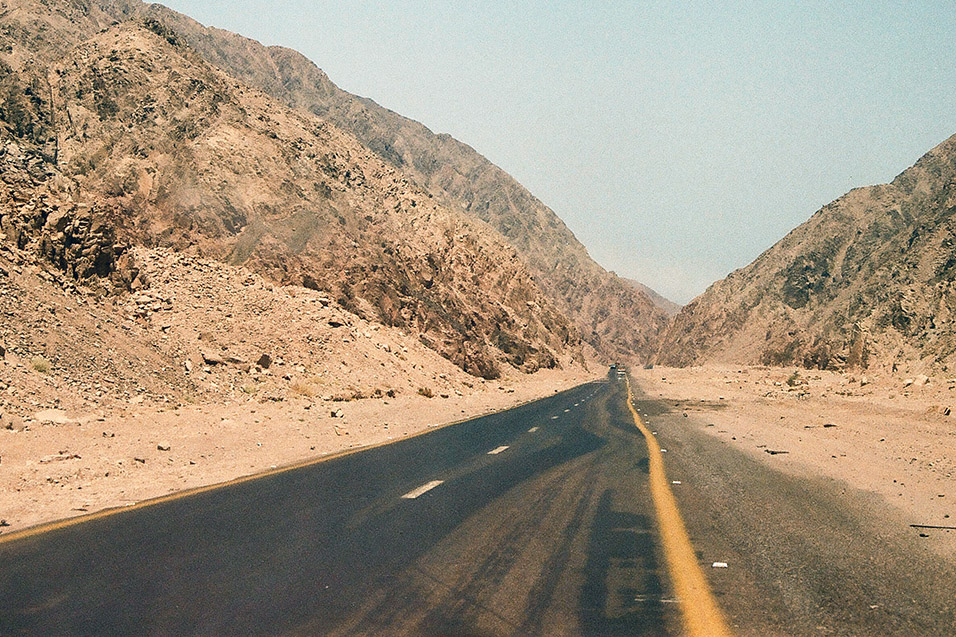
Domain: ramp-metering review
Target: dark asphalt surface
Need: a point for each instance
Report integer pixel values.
(805, 556)
(554, 535)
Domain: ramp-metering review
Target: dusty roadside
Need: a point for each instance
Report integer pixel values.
(208, 374)
(69, 466)
(891, 436)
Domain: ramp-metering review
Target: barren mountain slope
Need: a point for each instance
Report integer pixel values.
(450, 170)
(867, 280)
(164, 150)
(669, 307)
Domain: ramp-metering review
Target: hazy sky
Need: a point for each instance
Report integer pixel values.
(677, 140)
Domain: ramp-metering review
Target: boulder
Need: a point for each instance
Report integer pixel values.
(211, 358)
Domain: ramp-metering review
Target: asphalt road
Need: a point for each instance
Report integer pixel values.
(534, 521)
(553, 534)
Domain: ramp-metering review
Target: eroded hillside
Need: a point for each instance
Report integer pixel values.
(867, 281)
(610, 314)
(137, 133)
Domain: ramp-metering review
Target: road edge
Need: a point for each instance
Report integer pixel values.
(700, 612)
(47, 527)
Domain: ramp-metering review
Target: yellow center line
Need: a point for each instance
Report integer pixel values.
(699, 610)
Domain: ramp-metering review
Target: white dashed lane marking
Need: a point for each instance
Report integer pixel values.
(425, 488)
(497, 451)
(532, 430)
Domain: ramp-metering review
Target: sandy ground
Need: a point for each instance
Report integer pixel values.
(891, 436)
(63, 467)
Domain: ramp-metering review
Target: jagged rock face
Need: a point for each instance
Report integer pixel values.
(174, 153)
(35, 215)
(868, 280)
(618, 320)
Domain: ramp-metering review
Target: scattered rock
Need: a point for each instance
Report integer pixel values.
(52, 416)
(336, 413)
(59, 457)
(211, 358)
(11, 422)
(774, 452)
(265, 361)
(188, 364)
(163, 446)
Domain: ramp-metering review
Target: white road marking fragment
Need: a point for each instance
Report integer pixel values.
(675, 481)
(554, 417)
(425, 488)
(532, 430)
(655, 599)
(566, 410)
(719, 565)
(498, 450)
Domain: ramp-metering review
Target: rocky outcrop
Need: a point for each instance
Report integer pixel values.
(72, 237)
(868, 280)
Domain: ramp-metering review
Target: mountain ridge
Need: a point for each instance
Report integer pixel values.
(450, 168)
(866, 281)
(610, 315)
(170, 152)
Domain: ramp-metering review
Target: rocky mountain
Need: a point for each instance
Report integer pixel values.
(868, 280)
(669, 308)
(616, 319)
(125, 135)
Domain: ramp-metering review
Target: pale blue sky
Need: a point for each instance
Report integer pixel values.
(677, 140)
